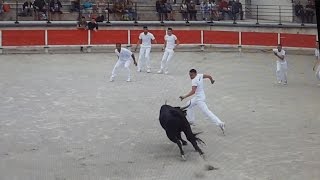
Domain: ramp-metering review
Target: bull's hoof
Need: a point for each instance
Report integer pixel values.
(203, 156)
(183, 158)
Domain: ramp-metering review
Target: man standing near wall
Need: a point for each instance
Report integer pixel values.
(170, 43)
(282, 65)
(145, 41)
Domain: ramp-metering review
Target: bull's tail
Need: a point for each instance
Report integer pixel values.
(198, 139)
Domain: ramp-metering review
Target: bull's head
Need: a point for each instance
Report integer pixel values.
(184, 109)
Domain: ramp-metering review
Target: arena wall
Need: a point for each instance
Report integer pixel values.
(202, 36)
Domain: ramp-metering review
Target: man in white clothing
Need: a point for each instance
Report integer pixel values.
(145, 40)
(170, 43)
(316, 66)
(199, 99)
(124, 60)
(282, 66)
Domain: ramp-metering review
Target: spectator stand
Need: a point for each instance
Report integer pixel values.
(140, 13)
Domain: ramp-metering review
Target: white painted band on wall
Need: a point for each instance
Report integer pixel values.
(201, 37)
(89, 37)
(240, 38)
(46, 37)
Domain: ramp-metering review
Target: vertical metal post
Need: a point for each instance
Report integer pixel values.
(136, 13)
(161, 18)
(257, 15)
(280, 22)
(187, 20)
(108, 18)
(16, 22)
(79, 14)
(48, 14)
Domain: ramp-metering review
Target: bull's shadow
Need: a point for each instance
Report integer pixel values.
(173, 120)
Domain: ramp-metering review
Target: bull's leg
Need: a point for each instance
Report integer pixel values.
(181, 150)
(184, 143)
(175, 139)
(192, 139)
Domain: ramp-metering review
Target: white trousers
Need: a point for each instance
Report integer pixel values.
(281, 72)
(318, 72)
(167, 56)
(204, 108)
(121, 64)
(144, 57)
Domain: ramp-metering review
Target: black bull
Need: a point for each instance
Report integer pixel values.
(173, 121)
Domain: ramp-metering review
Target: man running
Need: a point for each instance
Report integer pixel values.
(145, 40)
(199, 99)
(124, 61)
(170, 43)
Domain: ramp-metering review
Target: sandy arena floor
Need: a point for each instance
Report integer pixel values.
(61, 119)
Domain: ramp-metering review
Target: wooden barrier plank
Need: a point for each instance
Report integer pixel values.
(259, 38)
(298, 40)
(109, 37)
(67, 37)
(221, 37)
(23, 37)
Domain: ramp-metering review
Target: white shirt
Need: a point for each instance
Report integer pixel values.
(281, 53)
(198, 81)
(146, 39)
(124, 55)
(171, 41)
(316, 53)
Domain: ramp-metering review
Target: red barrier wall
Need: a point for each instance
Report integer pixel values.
(188, 36)
(23, 38)
(220, 37)
(298, 40)
(67, 37)
(109, 37)
(104, 37)
(260, 39)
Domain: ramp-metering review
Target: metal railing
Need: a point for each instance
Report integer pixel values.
(255, 14)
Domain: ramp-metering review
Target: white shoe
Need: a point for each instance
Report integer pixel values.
(148, 71)
(222, 127)
(167, 72)
(279, 82)
(128, 80)
(160, 71)
(139, 70)
(285, 83)
(111, 79)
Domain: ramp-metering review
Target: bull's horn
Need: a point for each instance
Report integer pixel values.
(183, 108)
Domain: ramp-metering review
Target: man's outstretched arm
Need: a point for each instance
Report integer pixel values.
(205, 76)
(193, 90)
